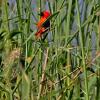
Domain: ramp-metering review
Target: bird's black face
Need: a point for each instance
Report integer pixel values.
(41, 14)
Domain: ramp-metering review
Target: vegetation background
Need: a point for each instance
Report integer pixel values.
(63, 66)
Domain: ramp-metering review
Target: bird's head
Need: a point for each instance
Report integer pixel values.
(45, 14)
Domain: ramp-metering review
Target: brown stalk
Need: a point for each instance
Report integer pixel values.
(43, 78)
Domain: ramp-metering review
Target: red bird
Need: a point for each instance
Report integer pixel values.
(41, 26)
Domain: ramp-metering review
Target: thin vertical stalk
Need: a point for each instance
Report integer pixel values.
(83, 52)
(6, 16)
(40, 8)
(67, 33)
(19, 11)
(7, 47)
(27, 30)
(98, 63)
(6, 26)
(41, 86)
(98, 60)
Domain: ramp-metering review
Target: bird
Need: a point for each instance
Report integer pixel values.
(43, 24)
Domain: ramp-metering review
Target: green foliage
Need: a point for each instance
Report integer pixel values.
(64, 64)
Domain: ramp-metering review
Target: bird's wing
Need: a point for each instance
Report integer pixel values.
(42, 20)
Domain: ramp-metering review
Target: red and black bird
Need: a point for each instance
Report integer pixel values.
(43, 25)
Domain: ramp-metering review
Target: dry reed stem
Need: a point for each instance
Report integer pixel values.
(41, 87)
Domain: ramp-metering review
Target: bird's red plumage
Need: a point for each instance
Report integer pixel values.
(40, 28)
